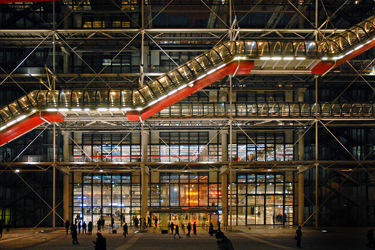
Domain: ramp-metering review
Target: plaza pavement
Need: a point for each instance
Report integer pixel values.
(255, 238)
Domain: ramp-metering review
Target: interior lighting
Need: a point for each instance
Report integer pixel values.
(34, 110)
(126, 109)
(301, 58)
(102, 109)
(182, 86)
(51, 110)
(139, 108)
(114, 109)
(265, 58)
(347, 53)
(77, 109)
(221, 66)
(21, 118)
(17, 170)
(288, 58)
(3, 127)
(269, 170)
(237, 58)
(201, 76)
(358, 47)
(87, 109)
(101, 170)
(153, 102)
(369, 41)
(190, 84)
(63, 109)
(276, 58)
(172, 92)
(324, 58)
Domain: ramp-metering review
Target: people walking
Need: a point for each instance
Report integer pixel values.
(74, 234)
(79, 227)
(223, 242)
(172, 227)
(84, 225)
(298, 236)
(156, 221)
(188, 229)
(176, 232)
(99, 224)
(370, 238)
(125, 229)
(195, 228)
(89, 227)
(67, 224)
(100, 243)
(211, 229)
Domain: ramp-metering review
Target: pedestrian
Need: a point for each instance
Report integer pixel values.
(218, 226)
(149, 221)
(89, 227)
(298, 236)
(156, 221)
(100, 243)
(188, 229)
(223, 242)
(112, 222)
(79, 227)
(144, 223)
(99, 223)
(125, 229)
(67, 224)
(84, 227)
(370, 238)
(1, 229)
(211, 229)
(182, 227)
(176, 232)
(172, 227)
(74, 234)
(8, 226)
(195, 228)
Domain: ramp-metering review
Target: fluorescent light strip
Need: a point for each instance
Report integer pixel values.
(172, 92)
(87, 109)
(237, 58)
(324, 58)
(153, 102)
(139, 108)
(201, 76)
(51, 110)
(182, 86)
(11, 123)
(161, 98)
(358, 47)
(126, 109)
(114, 109)
(276, 58)
(300, 58)
(220, 66)
(211, 71)
(102, 109)
(369, 41)
(63, 109)
(351, 51)
(76, 109)
(288, 58)
(3, 127)
(265, 58)
(21, 118)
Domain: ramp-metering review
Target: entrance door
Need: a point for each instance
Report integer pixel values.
(255, 210)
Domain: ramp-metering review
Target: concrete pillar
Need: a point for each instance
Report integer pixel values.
(66, 199)
(224, 195)
(66, 151)
(144, 192)
(224, 145)
(145, 140)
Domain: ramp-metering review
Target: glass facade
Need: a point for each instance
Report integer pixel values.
(257, 198)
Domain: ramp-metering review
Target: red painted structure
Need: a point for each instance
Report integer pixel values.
(238, 67)
(17, 1)
(28, 124)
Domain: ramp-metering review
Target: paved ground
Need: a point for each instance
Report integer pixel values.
(260, 237)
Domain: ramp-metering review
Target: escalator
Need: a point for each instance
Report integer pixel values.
(229, 58)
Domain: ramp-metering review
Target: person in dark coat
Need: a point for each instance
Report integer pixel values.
(84, 227)
(223, 242)
(188, 229)
(298, 236)
(211, 229)
(89, 227)
(176, 232)
(67, 224)
(79, 227)
(195, 228)
(370, 238)
(125, 229)
(100, 243)
(156, 221)
(99, 223)
(172, 227)
(74, 234)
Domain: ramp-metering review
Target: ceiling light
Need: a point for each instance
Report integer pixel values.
(153, 102)
(288, 58)
(11, 123)
(76, 109)
(139, 108)
(86, 109)
(126, 109)
(301, 58)
(220, 66)
(201, 76)
(276, 58)
(182, 86)
(3, 127)
(358, 47)
(172, 92)
(21, 118)
(211, 71)
(347, 53)
(265, 58)
(114, 109)
(51, 110)
(324, 58)
(101, 109)
(63, 109)
(161, 98)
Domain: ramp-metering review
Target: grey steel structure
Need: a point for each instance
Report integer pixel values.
(309, 136)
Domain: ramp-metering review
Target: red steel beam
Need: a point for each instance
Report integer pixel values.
(238, 67)
(28, 124)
